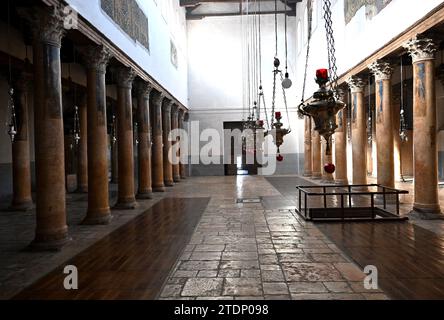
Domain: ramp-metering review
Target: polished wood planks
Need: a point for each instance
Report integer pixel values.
(133, 261)
(410, 259)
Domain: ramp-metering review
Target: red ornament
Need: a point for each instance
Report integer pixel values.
(277, 114)
(329, 167)
(260, 123)
(279, 157)
(322, 74)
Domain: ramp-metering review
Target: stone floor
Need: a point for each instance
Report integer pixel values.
(238, 250)
(244, 251)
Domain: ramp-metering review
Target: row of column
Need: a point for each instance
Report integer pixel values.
(422, 51)
(154, 167)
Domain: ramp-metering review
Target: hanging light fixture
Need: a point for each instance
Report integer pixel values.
(113, 130)
(369, 119)
(277, 127)
(76, 124)
(286, 82)
(12, 123)
(402, 122)
(325, 103)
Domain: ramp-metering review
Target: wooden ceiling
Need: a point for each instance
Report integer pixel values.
(198, 9)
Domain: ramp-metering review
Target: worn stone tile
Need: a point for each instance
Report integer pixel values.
(209, 247)
(185, 274)
(246, 255)
(350, 271)
(270, 267)
(272, 275)
(207, 274)
(245, 264)
(327, 257)
(271, 288)
(215, 298)
(307, 287)
(310, 272)
(242, 287)
(375, 296)
(199, 265)
(171, 290)
(204, 255)
(338, 287)
(268, 258)
(358, 287)
(195, 287)
(294, 257)
(326, 296)
(277, 297)
(250, 273)
(228, 273)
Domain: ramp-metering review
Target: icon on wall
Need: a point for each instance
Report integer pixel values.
(174, 59)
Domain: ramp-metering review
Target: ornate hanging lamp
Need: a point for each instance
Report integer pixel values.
(12, 123)
(325, 103)
(402, 124)
(277, 126)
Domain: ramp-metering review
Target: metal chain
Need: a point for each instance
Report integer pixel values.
(285, 103)
(331, 48)
(273, 100)
(309, 9)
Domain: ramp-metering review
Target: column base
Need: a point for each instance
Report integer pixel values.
(82, 189)
(159, 188)
(176, 179)
(53, 242)
(182, 177)
(21, 206)
(316, 176)
(125, 205)
(433, 209)
(97, 218)
(307, 174)
(169, 183)
(144, 195)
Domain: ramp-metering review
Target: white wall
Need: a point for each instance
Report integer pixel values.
(356, 40)
(215, 73)
(166, 20)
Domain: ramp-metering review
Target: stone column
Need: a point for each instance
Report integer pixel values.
(175, 125)
(182, 167)
(166, 124)
(307, 147)
(316, 154)
(82, 156)
(126, 195)
(425, 156)
(157, 148)
(98, 197)
(341, 148)
(144, 136)
(359, 134)
(51, 229)
(384, 123)
(21, 165)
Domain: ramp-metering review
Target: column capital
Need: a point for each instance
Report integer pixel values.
(168, 104)
(421, 48)
(158, 98)
(356, 84)
(144, 88)
(96, 57)
(47, 23)
(381, 69)
(125, 77)
(175, 110)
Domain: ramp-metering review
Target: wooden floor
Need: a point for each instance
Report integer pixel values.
(410, 259)
(131, 262)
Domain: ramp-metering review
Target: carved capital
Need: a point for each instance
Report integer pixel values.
(96, 57)
(125, 77)
(381, 69)
(421, 48)
(47, 24)
(175, 110)
(158, 98)
(166, 108)
(143, 88)
(356, 84)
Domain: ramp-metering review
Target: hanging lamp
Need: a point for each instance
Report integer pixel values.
(325, 103)
(12, 123)
(277, 127)
(402, 125)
